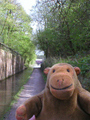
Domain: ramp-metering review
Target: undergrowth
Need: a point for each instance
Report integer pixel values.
(83, 62)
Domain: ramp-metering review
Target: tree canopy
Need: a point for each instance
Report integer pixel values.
(65, 26)
(15, 30)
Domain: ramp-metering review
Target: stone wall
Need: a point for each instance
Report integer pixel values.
(10, 62)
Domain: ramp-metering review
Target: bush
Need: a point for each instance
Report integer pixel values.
(51, 61)
(82, 62)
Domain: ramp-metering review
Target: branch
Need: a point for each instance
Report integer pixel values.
(4, 25)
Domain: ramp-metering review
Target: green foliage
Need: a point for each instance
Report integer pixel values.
(49, 62)
(82, 62)
(15, 30)
(66, 27)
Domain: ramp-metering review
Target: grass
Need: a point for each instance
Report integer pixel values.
(16, 96)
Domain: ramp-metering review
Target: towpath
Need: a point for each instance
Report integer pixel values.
(34, 86)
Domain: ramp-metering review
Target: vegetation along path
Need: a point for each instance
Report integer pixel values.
(34, 86)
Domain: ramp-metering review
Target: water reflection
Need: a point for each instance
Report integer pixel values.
(9, 87)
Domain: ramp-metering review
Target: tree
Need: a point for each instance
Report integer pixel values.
(66, 27)
(15, 29)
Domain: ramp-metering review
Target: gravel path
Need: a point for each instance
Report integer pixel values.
(34, 86)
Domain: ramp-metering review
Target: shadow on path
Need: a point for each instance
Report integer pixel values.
(34, 86)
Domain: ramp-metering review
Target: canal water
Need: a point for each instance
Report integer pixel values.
(9, 88)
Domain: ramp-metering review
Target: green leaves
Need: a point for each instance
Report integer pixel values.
(15, 30)
(66, 29)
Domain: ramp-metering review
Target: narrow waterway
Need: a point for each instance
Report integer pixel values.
(9, 87)
(33, 86)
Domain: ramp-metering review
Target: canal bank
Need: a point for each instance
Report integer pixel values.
(10, 87)
(34, 86)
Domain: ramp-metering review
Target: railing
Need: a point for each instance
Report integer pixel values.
(11, 62)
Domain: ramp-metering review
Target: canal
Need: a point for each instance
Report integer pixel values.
(10, 87)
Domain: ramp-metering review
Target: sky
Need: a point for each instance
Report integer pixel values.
(27, 4)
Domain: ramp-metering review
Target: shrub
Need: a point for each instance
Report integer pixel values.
(82, 62)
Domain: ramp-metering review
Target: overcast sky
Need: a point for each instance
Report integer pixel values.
(27, 4)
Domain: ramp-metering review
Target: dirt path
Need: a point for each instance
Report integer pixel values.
(34, 86)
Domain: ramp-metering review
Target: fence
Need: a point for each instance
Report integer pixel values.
(10, 62)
